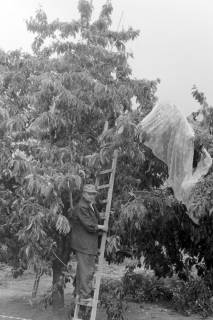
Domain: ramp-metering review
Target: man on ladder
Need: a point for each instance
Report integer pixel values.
(85, 239)
(85, 222)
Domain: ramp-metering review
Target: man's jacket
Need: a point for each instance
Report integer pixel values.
(85, 220)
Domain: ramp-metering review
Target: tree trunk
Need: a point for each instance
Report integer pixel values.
(39, 273)
(62, 256)
(58, 286)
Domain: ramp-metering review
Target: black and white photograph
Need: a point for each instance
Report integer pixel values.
(106, 173)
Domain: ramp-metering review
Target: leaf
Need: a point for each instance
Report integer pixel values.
(75, 181)
(62, 224)
(27, 251)
(30, 225)
(45, 189)
(54, 209)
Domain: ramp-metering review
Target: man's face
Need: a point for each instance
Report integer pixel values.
(90, 197)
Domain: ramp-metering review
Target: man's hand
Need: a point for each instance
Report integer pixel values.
(102, 228)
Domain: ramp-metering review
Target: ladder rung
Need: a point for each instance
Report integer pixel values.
(105, 171)
(87, 304)
(103, 186)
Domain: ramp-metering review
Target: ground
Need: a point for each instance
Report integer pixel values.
(15, 301)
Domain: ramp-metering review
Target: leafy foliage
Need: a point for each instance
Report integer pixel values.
(187, 298)
(193, 296)
(112, 299)
(206, 110)
(54, 105)
(154, 224)
(149, 225)
(202, 193)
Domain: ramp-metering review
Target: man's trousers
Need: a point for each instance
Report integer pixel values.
(84, 274)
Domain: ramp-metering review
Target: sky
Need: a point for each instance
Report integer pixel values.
(175, 42)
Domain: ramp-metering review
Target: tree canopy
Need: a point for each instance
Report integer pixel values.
(56, 106)
(154, 223)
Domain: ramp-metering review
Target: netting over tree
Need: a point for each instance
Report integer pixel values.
(171, 139)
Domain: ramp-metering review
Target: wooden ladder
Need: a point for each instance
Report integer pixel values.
(98, 274)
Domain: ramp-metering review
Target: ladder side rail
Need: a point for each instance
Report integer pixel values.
(110, 191)
(108, 206)
(77, 308)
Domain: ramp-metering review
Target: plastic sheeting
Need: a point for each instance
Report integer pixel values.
(171, 139)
